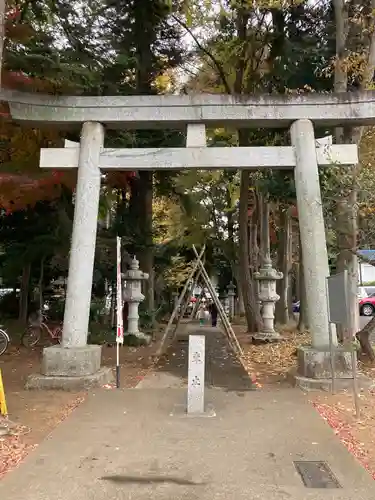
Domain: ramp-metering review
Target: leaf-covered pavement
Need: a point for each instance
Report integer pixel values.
(270, 364)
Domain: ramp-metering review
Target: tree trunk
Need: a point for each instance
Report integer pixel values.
(247, 285)
(284, 264)
(345, 231)
(2, 34)
(290, 295)
(141, 213)
(240, 310)
(303, 324)
(341, 21)
(264, 229)
(254, 245)
(244, 274)
(146, 257)
(230, 213)
(247, 288)
(364, 339)
(291, 275)
(297, 285)
(347, 259)
(240, 304)
(346, 222)
(40, 285)
(24, 294)
(254, 256)
(144, 31)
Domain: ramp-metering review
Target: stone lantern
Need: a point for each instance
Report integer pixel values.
(225, 302)
(231, 295)
(267, 277)
(133, 296)
(175, 298)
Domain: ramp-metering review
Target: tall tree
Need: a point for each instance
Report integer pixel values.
(2, 34)
(144, 38)
(269, 46)
(354, 68)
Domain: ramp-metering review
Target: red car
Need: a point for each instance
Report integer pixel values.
(367, 305)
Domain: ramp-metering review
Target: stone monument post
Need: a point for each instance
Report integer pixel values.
(196, 372)
(133, 296)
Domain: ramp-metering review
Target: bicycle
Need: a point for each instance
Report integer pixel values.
(34, 332)
(4, 341)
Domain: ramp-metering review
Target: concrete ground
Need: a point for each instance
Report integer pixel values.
(138, 444)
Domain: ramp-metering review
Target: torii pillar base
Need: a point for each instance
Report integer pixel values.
(314, 370)
(71, 369)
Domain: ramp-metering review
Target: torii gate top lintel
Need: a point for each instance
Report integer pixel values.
(174, 111)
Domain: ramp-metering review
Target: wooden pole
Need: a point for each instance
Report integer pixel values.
(227, 326)
(183, 310)
(196, 306)
(177, 306)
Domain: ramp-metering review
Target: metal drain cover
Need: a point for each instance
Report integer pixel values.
(316, 475)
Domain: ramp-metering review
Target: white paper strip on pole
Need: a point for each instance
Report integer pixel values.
(120, 323)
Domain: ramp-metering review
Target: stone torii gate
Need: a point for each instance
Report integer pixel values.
(76, 363)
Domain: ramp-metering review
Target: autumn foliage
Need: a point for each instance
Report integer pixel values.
(22, 182)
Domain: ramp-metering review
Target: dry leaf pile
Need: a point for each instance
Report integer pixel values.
(69, 408)
(274, 359)
(13, 448)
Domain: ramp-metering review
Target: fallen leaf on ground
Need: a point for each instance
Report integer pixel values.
(270, 363)
(344, 432)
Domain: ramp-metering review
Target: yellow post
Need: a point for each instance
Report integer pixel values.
(3, 403)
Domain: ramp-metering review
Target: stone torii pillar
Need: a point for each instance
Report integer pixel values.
(311, 223)
(74, 364)
(82, 252)
(314, 364)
